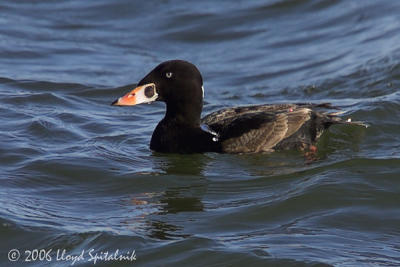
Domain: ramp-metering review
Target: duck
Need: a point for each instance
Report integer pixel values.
(243, 129)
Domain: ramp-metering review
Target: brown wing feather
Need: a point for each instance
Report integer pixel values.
(227, 115)
(296, 119)
(263, 138)
(272, 127)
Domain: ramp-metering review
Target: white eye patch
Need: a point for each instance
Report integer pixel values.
(168, 75)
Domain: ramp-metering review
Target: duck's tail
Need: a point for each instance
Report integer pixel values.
(334, 116)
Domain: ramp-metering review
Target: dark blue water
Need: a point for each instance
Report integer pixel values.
(77, 175)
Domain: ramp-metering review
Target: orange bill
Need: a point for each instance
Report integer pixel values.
(142, 94)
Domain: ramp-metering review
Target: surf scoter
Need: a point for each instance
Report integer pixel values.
(245, 129)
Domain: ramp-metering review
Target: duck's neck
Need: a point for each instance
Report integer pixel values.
(185, 114)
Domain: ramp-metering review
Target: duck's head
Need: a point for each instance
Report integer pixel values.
(178, 83)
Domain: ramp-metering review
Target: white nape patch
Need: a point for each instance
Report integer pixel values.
(202, 88)
(207, 129)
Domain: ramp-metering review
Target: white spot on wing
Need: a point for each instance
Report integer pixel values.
(207, 129)
(202, 88)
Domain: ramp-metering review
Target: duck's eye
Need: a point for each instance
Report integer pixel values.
(168, 75)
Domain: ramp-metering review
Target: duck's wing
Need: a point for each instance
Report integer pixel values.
(258, 131)
(227, 115)
(270, 127)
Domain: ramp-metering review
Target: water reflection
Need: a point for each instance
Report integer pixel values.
(174, 200)
(181, 164)
(184, 195)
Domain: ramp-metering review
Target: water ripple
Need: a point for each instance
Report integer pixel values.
(77, 173)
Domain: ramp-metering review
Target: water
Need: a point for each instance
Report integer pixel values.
(77, 174)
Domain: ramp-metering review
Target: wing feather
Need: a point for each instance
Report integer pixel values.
(254, 132)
